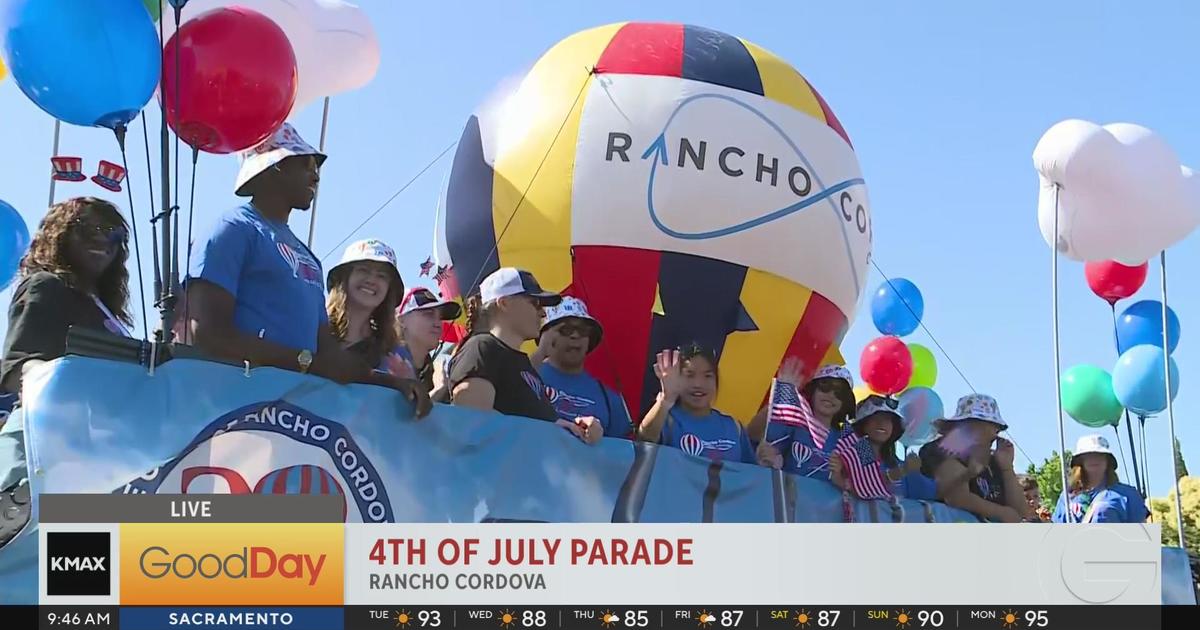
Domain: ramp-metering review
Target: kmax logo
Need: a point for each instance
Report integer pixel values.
(251, 563)
(78, 563)
(88, 563)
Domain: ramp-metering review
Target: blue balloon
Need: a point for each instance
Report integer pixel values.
(14, 240)
(84, 62)
(897, 308)
(1141, 323)
(1138, 380)
(920, 407)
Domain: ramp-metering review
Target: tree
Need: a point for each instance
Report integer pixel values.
(1180, 465)
(1164, 514)
(1049, 478)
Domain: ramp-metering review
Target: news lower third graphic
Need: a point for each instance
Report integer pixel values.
(151, 562)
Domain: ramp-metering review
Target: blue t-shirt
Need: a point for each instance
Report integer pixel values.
(800, 453)
(914, 486)
(1135, 503)
(577, 395)
(715, 436)
(275, 279)
(1115, 504)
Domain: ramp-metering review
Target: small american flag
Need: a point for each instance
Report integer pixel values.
(867, 478)
(426, 267)
(441, 274)
(788, 406)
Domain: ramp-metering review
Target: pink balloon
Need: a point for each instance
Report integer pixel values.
(886, 365)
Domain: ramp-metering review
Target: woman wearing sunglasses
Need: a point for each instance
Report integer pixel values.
(805, 450)
(73, 275)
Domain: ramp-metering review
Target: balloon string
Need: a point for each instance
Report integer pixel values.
(149, 171)
(390, 199)
(1062, 428)
(470, 288)
(924, 327)
(188, 268)
(940, 348)
(137, 248)
(1137, 473)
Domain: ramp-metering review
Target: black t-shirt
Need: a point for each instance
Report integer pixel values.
(519, 389)
(42, 309)
(989, 484)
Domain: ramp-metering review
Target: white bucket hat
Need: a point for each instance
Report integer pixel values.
(573, 307)
(368, 250)
(834, 371)
(978, 407)
(284, 143)
(1093, 444)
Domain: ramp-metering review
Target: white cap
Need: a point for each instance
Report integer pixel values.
(509, 281)
(978, 407)
(368, 250)
(573, 307)
(284, 143)
(1093, 444)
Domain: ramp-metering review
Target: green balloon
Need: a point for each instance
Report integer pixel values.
(1087, 396)
(154, 8)
(924, 371)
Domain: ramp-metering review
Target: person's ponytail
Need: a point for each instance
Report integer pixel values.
(473, 307)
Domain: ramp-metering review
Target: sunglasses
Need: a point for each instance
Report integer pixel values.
(113, 234)
(890, 403)
(571, 328)
(831, 385)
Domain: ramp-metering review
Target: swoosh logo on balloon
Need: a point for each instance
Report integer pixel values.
(657, 154)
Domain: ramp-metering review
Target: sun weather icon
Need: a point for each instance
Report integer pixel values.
(608, 618)
(705, 618)
(507, 618)
(403, 619)
(903, 618)
(1009, 618)
(803, 618)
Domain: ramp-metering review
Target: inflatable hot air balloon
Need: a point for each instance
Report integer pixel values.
(688, 185)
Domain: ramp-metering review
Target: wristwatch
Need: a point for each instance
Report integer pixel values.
(304, 359)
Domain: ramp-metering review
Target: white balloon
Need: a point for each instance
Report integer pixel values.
(1121, 192)
(336, 46)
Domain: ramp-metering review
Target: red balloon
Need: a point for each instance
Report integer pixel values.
(886, 365)
(236, 80)
(1113, 281)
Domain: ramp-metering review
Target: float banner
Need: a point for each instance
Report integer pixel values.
(194, 427)
(690, 564)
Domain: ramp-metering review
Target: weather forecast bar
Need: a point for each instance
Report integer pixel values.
(416, 617)
(191, 508)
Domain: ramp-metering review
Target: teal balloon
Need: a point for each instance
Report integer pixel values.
(85, 62)
(920, 407)
(1138, 380)
(1087, 396)
(154, 7)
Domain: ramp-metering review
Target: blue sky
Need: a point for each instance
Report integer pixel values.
(944, 102)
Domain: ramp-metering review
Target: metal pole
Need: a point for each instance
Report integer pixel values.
(1162, 260)
(312, 215)
(54, 153)
(1062, 429)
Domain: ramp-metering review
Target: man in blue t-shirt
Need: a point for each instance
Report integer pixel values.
(568, 335)
(255, 292)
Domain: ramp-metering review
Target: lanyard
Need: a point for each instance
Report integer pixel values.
(113, 324)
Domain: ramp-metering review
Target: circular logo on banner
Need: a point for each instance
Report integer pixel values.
(274, 448)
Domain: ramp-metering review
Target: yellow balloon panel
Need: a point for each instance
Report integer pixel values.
(750, 358)
(531, 194)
